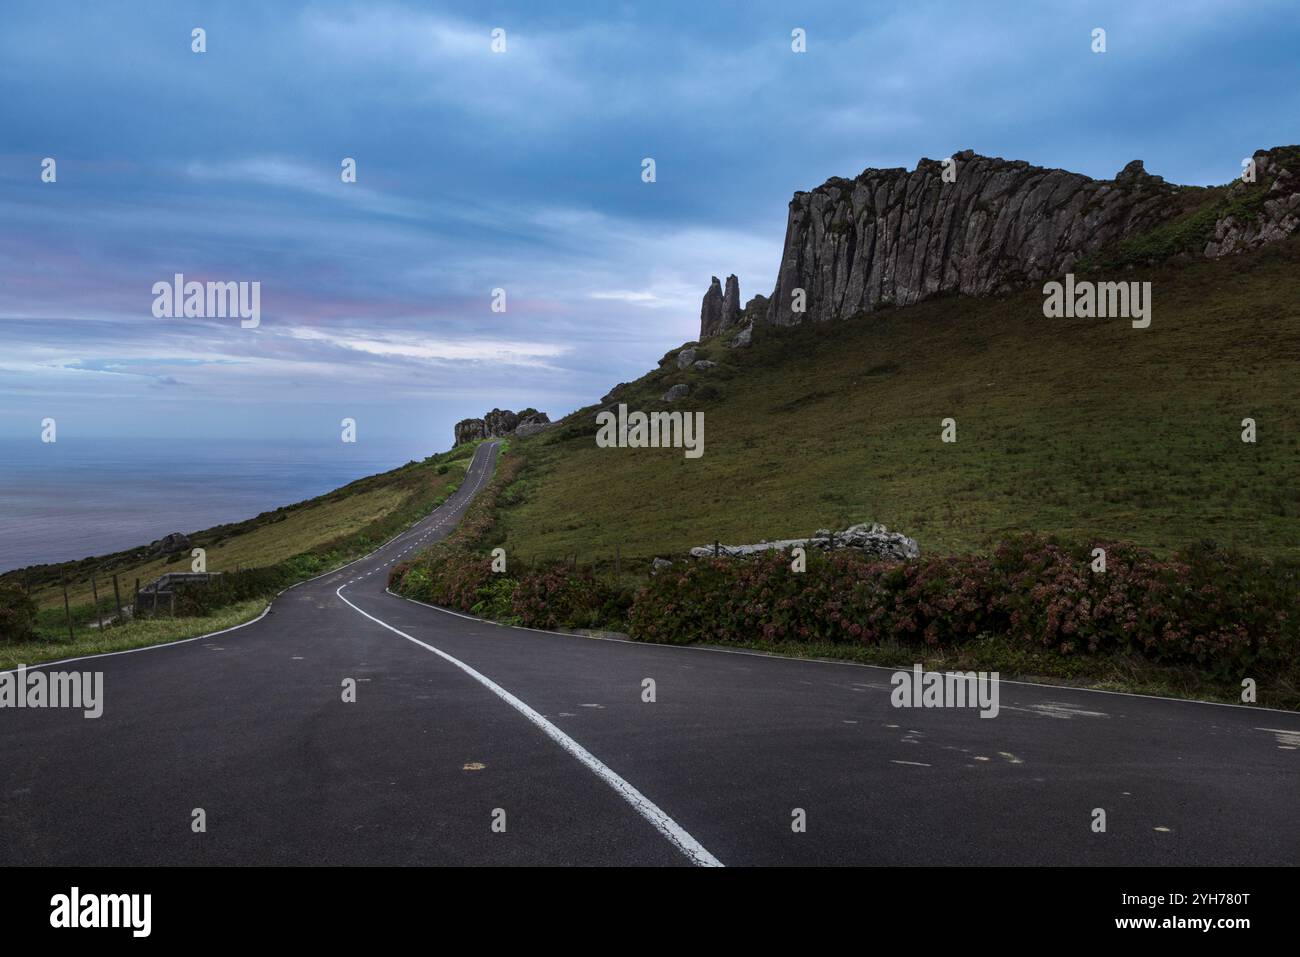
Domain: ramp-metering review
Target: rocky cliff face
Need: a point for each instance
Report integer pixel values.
(499, 423)
(897, 236)
(980, 225)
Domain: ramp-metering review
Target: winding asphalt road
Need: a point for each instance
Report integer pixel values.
(472, 743)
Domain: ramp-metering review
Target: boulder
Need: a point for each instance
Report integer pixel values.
(678, 391)
(686, 357)
(532, 424)
(743, 338)
(704, 364)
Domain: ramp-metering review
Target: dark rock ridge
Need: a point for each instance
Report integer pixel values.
(499, 423)
(894, 236)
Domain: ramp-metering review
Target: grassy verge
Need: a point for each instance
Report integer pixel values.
(134, 634)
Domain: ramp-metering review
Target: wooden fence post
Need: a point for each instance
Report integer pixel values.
(67, 609)
(117, 598)
(618, 565)
(94, 591)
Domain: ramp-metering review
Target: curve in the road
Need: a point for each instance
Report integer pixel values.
(249, 726)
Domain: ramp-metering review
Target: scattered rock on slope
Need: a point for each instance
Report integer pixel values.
(678, 391)
(872, 539)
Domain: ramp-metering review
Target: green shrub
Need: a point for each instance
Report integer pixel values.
(17, 613)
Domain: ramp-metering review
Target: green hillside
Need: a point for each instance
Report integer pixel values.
(1083, 427)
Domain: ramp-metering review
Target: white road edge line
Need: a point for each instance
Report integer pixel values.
(676, 834)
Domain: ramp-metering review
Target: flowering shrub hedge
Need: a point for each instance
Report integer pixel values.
(555, 596)
(1205, 605)
(562, 597)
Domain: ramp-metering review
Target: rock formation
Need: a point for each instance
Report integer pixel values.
(720, 311)
(501, 422)
(470, 430)
(1278, 215)
(893, 236)
(532, 424)
(170, 543)
(873, 539)
(711, 310)
(979, 225)
(730, 304)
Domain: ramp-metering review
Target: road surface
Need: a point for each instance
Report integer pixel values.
(472, 743)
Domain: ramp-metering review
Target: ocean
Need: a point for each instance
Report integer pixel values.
(78, 497)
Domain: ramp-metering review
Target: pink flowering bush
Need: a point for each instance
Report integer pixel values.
(1205, 605)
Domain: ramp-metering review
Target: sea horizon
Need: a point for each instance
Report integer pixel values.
(80, 497)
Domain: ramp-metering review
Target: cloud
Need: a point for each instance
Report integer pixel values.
(428, 349)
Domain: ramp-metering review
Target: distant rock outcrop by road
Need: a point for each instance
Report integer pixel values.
(501, 422)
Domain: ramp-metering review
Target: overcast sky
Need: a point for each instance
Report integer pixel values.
(518, 170)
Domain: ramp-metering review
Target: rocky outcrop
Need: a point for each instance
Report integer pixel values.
(979, 225)
(711, 310)
(470, 430)
(897, 237)
(499, 423)
(172, 542)
(730, 304)
(720, 310)
(1277, 215)
(871, 539)
(686, 357)
(532, 424)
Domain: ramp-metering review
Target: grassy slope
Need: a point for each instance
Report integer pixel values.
(1086, 428)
